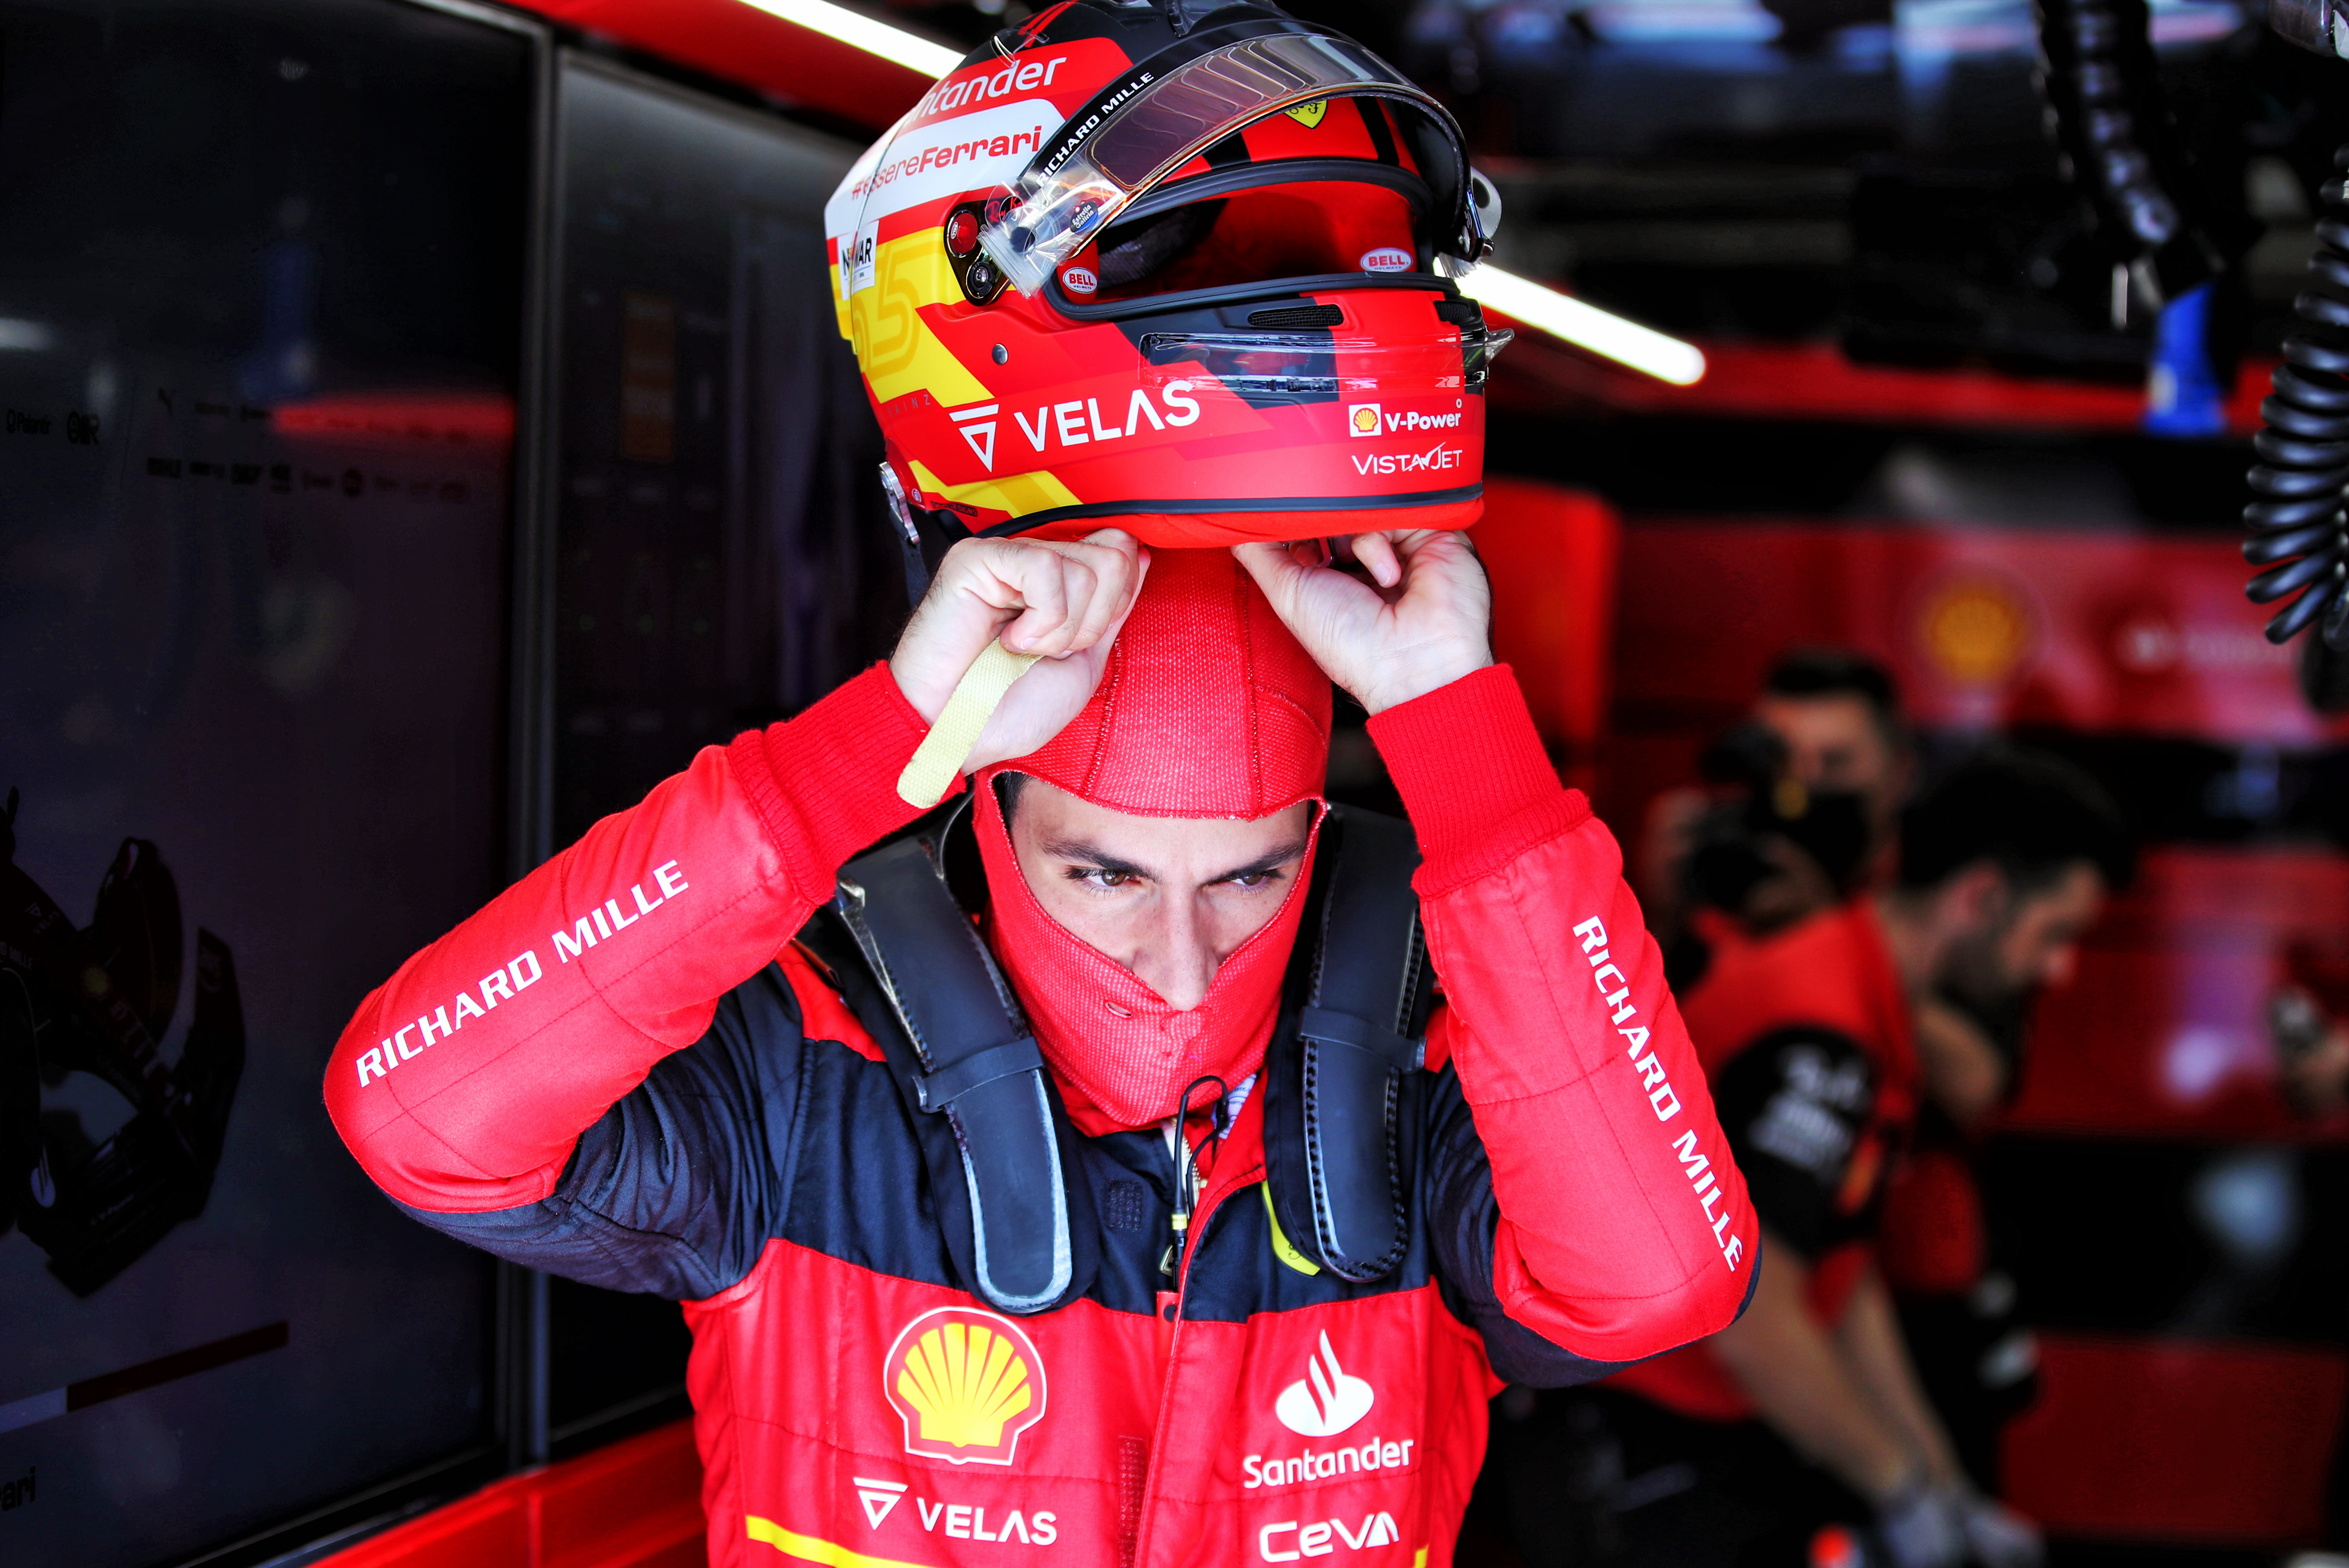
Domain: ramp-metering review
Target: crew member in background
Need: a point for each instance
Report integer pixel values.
(1828, 759)
(1806, 795)
(1805, 1417)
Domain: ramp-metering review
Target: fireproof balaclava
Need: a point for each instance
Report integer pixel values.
(1209, 708)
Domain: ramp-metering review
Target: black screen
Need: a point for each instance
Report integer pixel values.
(261, 275)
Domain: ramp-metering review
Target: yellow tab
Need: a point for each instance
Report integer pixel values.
(1418, 1559)
(1280, 1247)
(1308, 115)
(808, 1549)
(1017, 493)
(977, 695)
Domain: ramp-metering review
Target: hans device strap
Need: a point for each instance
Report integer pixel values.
(1341, 1092)
(962, 1055)
(1342, 1099)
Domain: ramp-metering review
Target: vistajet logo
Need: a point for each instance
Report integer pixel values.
(1435, 460)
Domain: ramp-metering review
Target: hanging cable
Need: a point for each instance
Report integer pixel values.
(2111, 120)
(2298, 529)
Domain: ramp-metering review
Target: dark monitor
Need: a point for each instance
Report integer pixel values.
(262, 287)
(722, 555)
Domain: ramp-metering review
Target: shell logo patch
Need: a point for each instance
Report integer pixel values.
(1363, 420)
(1308, 115)
(966, 1384)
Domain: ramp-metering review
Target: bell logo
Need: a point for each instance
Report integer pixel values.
(1386, 258)
(967, 1385)
(1080, 279)
(1326, 1401)
(1363, 418)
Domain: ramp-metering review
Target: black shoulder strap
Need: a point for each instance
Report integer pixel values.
(1340, 1086)
(961, 1051)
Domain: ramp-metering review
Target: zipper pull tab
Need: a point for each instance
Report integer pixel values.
(1170, 1265)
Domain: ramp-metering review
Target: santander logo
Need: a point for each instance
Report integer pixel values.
(1326, 1401)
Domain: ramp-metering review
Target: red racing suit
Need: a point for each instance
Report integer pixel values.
(1808, 1045)
(624, 1071)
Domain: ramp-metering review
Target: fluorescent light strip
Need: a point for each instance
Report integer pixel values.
(870, 34)
(1642, 349)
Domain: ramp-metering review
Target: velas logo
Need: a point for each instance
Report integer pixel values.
(1327, 1400)
(878, 1498)
(1078, 421)
(1363, 420)
(1386, 258)
(1080, 279)
(966, 1384)
(977, 427)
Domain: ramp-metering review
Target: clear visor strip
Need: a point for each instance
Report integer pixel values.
(1064, 205)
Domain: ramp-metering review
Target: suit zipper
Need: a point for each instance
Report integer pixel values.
(1189, 1238)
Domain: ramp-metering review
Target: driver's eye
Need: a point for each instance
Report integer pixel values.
(1099, 877)
(1255, 879)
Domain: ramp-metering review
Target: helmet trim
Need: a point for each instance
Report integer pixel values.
(1241, 293)
(1032, 519)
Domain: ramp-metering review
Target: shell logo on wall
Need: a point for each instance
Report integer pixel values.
(966, 1383)
(1975, 629)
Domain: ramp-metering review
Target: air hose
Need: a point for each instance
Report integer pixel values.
(2298, 529)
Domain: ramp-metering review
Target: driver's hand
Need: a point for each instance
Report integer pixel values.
(1424, 620)
(1062, 601)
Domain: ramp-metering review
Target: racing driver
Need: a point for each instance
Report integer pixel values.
(1181, 1191)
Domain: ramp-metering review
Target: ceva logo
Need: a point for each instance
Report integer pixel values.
(1326, 1401)
(966, 1384)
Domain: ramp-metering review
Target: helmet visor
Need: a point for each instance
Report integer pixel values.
(1100, 165)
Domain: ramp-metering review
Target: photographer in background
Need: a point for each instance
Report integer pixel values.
(1797, 814)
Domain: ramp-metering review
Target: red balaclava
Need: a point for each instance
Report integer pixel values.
(1209, 708)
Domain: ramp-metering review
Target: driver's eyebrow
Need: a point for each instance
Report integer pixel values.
(1264, 863)
(1093, 856)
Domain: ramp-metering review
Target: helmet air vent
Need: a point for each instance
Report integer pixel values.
(1297, 318)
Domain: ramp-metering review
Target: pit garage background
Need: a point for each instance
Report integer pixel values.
(425, 427)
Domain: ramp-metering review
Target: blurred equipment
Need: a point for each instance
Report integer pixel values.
(1743, 842)
(2298, 526)
(99, 1000)
(2304, 449)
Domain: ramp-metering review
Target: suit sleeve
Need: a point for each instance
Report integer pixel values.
(669, 1192)
(1622, 1228)
(464, 1082)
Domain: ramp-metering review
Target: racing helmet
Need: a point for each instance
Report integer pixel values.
(1187, 266)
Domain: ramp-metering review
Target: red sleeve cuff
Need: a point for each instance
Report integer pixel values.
(1474, 776)
(825, 784)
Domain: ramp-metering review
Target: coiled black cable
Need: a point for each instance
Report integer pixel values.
(2111, 119)
(2299, 531)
